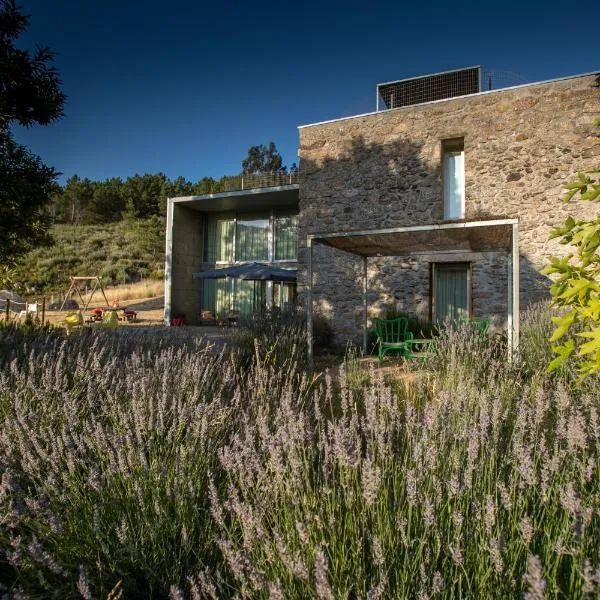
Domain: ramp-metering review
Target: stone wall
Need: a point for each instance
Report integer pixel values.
(384, 170)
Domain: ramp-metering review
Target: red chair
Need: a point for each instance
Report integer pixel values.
(129, 314)
(178, 320)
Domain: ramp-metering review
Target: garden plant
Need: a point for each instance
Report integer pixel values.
(149, 466)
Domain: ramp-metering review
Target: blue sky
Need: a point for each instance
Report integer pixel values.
(186, 87)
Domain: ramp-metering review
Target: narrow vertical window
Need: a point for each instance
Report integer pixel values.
(453, 174)
(286, 236)
(219, 242)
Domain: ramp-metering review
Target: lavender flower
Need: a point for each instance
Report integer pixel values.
(83, 585)
(536, 584)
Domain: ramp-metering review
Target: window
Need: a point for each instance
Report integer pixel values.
(220, 239)
(216, 295)
(284, 294)
(451, 294)
(252, 238)
(453, 175)
(249, 296)
(286, 236)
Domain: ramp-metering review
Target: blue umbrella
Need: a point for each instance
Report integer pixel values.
(252, 271)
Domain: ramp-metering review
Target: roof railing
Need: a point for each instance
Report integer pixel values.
(249, 181)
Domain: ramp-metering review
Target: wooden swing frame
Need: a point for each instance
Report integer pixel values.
(76, 287)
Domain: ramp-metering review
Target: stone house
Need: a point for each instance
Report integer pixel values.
(418, 207)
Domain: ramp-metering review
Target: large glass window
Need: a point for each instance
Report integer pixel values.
(286, 237)
(225, 239)
(252, 238)
(249, 296)
(454, 179)
(284, 295)
(216, 296)
(220, 239)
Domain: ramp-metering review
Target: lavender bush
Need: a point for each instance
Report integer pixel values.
(105, 454)
(151, 462)
(485, 492)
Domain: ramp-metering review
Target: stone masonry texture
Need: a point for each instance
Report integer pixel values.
(384, 170)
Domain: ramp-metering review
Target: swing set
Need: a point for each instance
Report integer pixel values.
(77, 284)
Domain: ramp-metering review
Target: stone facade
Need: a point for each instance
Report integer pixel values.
(384, 170)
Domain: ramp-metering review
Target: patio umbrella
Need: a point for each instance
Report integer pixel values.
(251, 271)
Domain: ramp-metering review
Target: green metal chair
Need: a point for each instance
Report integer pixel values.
(392, 336)
(476, 326)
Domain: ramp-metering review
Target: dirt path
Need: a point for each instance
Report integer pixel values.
(150, 311)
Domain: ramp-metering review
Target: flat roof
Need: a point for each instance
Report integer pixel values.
(283, 196)
(497, 91)
(468, 236)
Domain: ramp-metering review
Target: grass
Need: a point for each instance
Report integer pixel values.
(172, 469)
(121, 252)
(148, 288)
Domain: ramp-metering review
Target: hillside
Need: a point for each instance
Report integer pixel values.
(120, 252)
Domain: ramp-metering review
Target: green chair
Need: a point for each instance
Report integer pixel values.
(393, 336)
(475, 326)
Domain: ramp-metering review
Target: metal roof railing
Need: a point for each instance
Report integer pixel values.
(248, 181)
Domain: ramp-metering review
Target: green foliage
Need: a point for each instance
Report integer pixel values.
(137, 513)
(143, 458)
(535, 349)
(29, 94)
(275, 338)
(25, 188)
(123, 252)
(86, 202)
(263, 159)
(576, 288)
(30, 86)
(357, 375)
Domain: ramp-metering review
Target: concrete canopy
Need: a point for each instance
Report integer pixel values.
(283, 197)
(469, 236)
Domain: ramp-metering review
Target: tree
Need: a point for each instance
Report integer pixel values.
(263, 159)
(145, 194)
(25, 188)
(29, 93)
(77, 198)
(108, 202)
(577, 287)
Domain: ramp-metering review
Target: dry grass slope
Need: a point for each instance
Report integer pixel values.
(121, 252)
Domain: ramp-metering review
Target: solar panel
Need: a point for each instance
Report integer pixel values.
(416, 90)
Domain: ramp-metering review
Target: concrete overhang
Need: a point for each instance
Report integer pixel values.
(284, 196)
(467, 236)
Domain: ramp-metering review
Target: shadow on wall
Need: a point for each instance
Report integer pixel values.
(350, 185)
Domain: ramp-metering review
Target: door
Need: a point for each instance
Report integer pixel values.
(451, 297)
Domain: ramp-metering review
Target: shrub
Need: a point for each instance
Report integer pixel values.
(576, 287)
(476, 494)
(105, 453)
(144, 460)
(535, 350)
(273, 338)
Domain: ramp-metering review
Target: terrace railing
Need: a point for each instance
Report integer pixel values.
(248, 181)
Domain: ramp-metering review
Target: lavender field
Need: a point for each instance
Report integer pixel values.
(163, 469)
